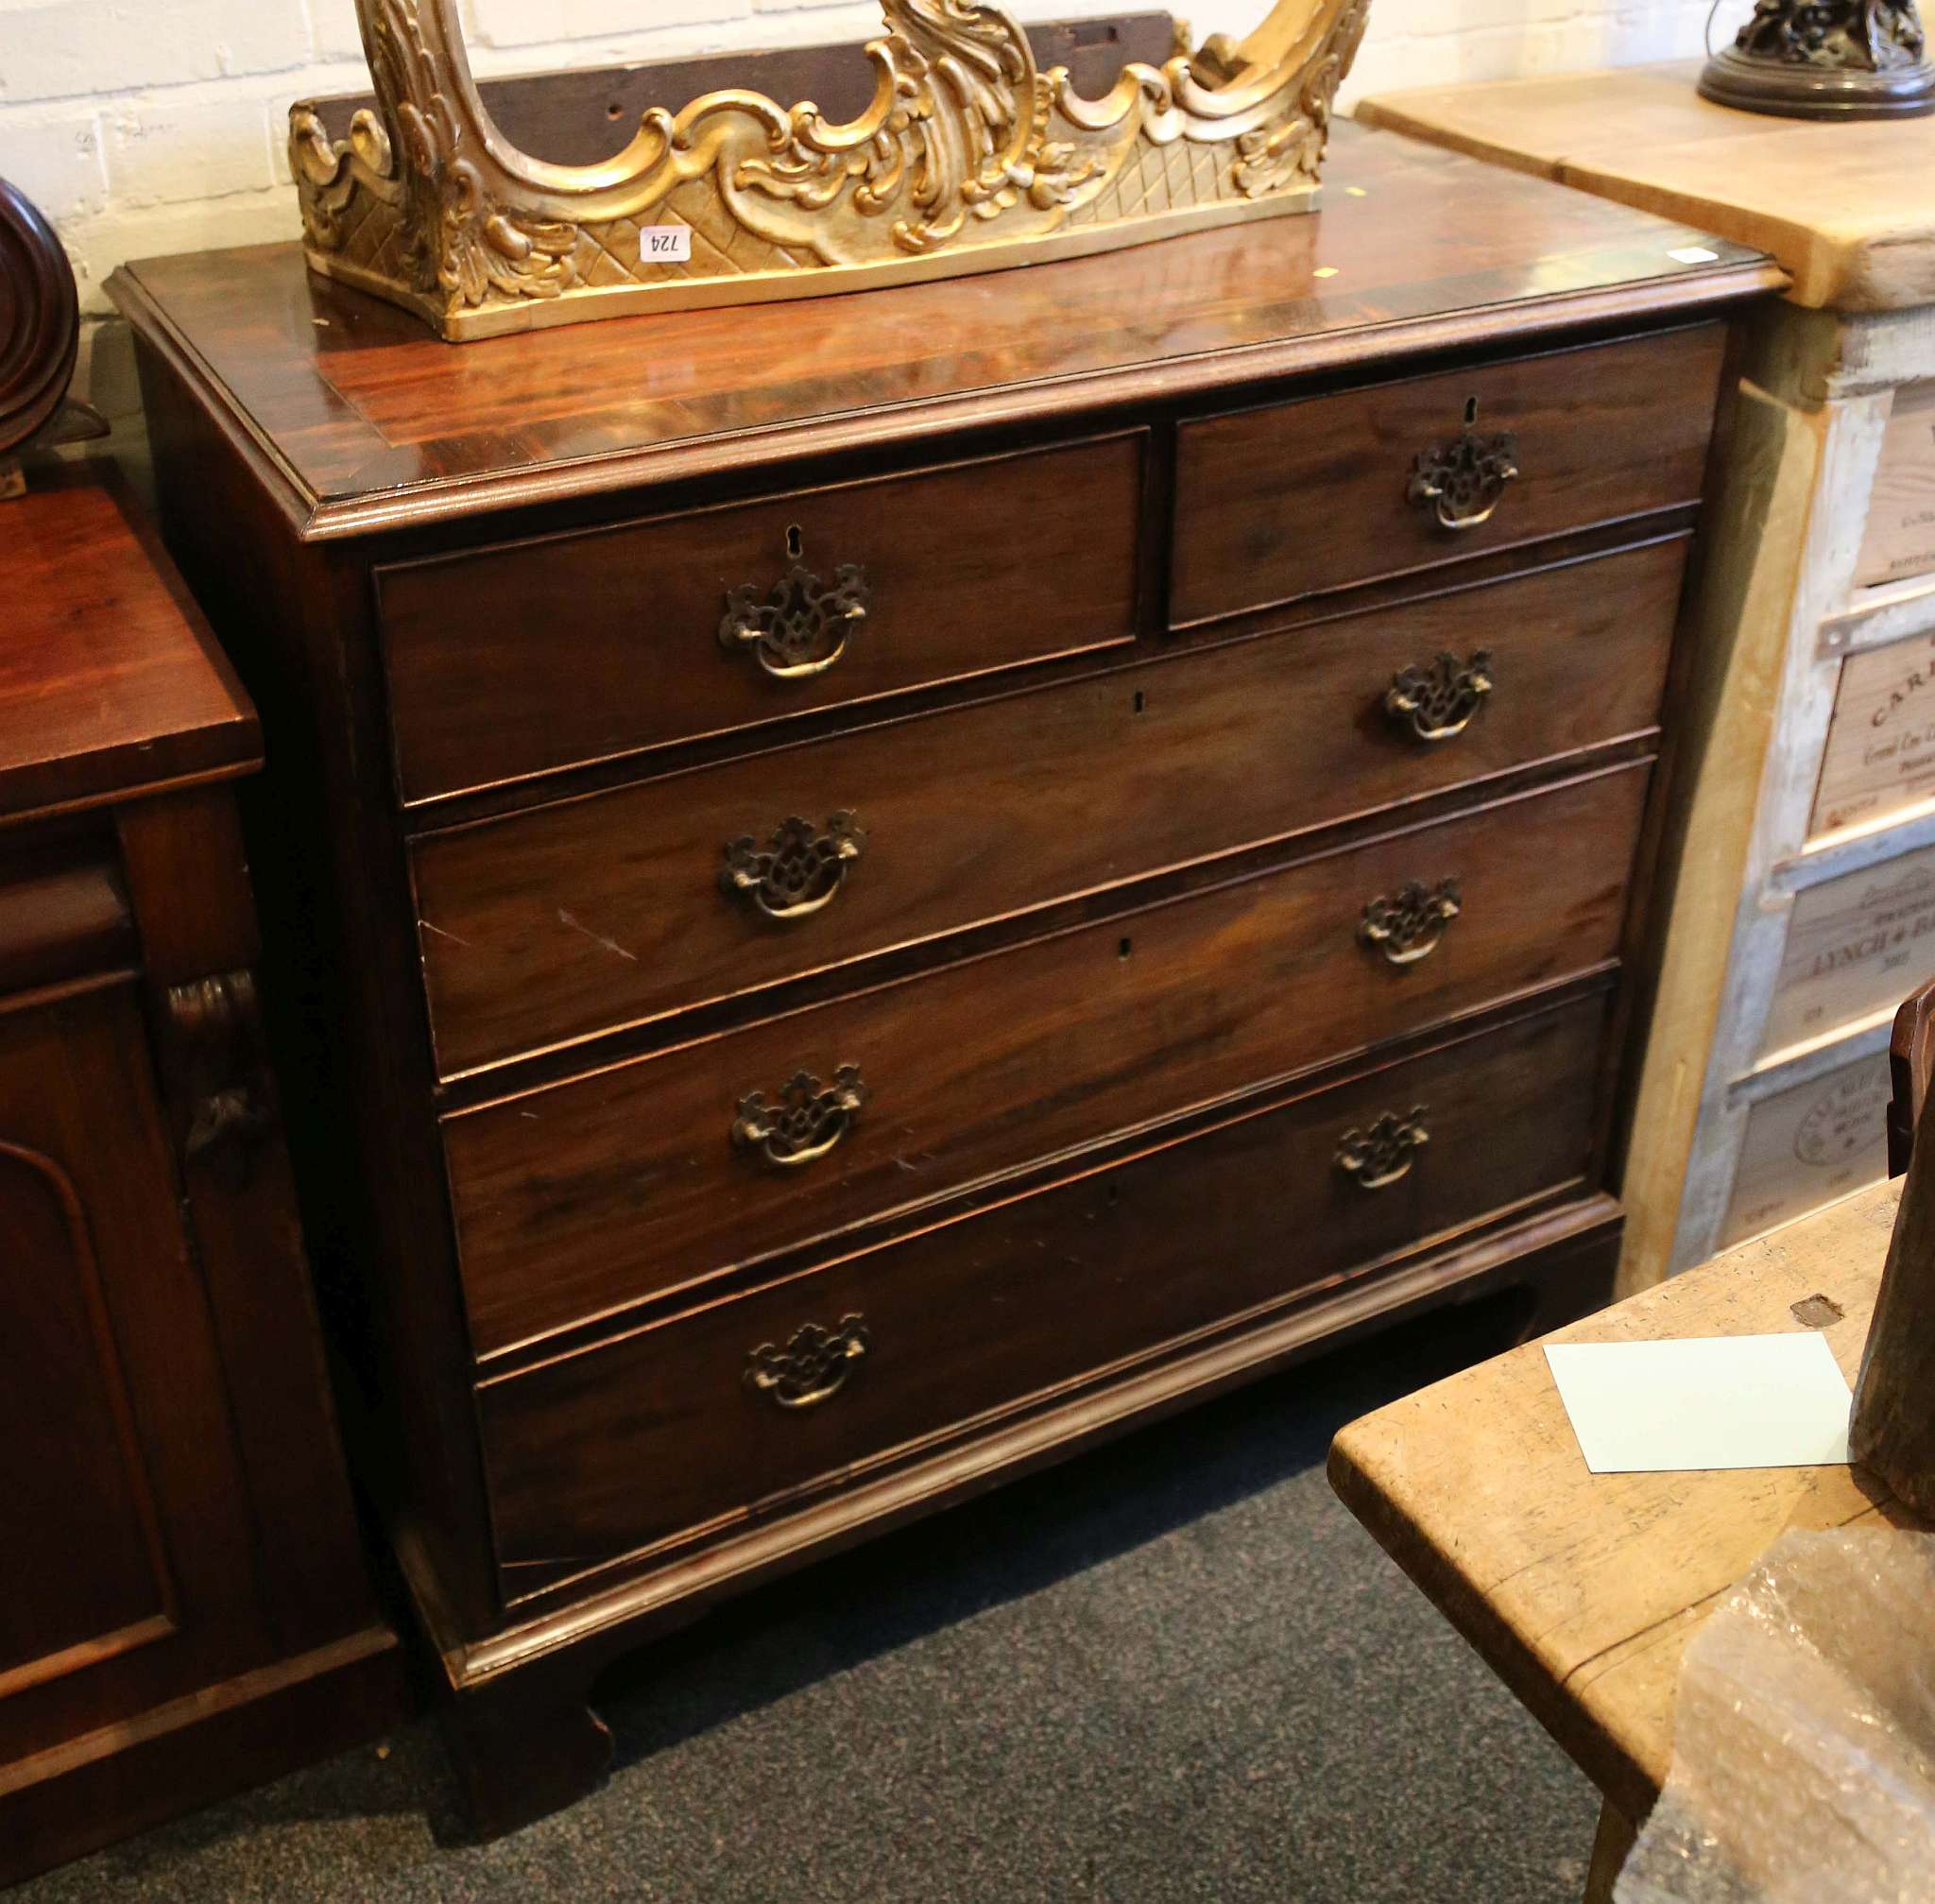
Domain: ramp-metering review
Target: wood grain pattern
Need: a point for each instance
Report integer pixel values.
(1829, 205)
(975, 1316)
(575, 1200)
(953, 560)
(111, 683)
(1600, 434)
(574, 918)
(372, 429)
(1580, 1591)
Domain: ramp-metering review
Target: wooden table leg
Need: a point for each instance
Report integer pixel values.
(1610, 1844)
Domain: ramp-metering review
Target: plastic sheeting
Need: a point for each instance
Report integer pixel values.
(1803, 1735)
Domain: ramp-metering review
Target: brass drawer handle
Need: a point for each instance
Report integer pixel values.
(1407, 926)
(806, 1121)
(1462, 482)
(797, 872)
(800, 626)
(1383, 1155)
(813, 1365)
(1437, 703)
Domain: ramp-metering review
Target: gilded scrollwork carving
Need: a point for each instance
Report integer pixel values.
(969, 156)
(1383, 1153)
(804, 1120)
(799, 871)
(1406, 926)
(812, 1367)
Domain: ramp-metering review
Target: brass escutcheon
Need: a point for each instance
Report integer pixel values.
(1437, 703)
(805, 1121)
(813, 1365)
(799, 871)
(1383, 1155)
(1407, 925)
(800, 626)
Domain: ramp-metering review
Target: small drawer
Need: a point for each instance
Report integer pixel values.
(574, 1200)
(700, 1418)
(548, 654)
(563, 921)
(1295, 498)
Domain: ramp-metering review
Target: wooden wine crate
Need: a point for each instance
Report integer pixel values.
(1900, 538)
(1880, 754)
(1855, 946)
(1809, 1145)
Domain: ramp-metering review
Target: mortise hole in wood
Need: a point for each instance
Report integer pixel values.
(795, 542)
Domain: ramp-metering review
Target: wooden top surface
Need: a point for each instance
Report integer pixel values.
(1583, 1590)
(363, 419)
(1849, 209)
(111, 682)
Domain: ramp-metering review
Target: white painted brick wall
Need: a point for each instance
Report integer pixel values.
(152, 126)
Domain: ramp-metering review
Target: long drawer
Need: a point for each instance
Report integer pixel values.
(718, 1410)
(574, 1200)
(1294, 498)
(543, 654)
(558, 924)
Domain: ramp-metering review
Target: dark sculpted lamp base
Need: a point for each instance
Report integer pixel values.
(1825, 59)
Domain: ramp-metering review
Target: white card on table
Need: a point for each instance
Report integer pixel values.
(1713, 1401)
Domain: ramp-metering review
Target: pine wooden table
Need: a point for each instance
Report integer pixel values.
(1579, 1591)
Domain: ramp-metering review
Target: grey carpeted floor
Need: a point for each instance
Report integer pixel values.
(1173, 1670)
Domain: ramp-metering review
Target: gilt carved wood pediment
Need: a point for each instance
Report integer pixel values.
(970, 156)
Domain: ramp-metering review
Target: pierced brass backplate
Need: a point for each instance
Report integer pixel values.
(805, 1121)
(813, 1365)
(1437, 703)
(1383, 1155)
(797, 872)
(800, 626)
(1407, 926)
(1462, 482)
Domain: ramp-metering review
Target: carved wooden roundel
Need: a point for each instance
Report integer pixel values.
(40, 320)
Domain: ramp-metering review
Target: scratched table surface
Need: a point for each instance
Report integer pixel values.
(1580, 1591)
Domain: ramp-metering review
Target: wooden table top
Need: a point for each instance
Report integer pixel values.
(358, 418)
(111, 682)
(1581, 1590)
(1848, 208)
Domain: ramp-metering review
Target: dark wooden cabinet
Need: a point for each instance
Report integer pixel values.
(186, 1607)
(872, 892)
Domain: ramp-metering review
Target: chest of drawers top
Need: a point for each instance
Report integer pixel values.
(358, 422)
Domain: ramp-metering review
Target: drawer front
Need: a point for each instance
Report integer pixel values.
(564, 921)
(574, 1200)
(618, 1446)
(548, 654)
(1282, 501)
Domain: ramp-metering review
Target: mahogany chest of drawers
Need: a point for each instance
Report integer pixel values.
(890, 887)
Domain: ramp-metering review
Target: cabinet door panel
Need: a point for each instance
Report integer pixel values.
(126, 1573)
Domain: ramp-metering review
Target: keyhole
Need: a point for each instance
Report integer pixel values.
(1470, 411)
(1140, 704)
(1124, 950)
(796, 542)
